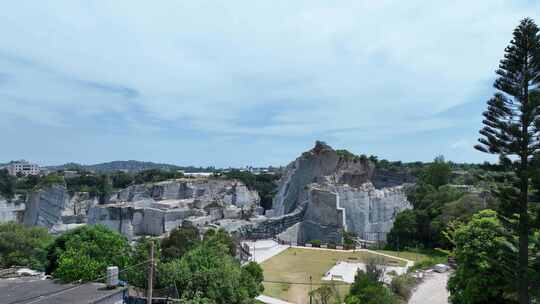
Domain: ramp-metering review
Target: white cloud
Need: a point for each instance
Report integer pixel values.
(375, 66)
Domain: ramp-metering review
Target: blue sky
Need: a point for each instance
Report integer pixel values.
(234, 83)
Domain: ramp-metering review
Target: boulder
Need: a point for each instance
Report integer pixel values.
(232, 212)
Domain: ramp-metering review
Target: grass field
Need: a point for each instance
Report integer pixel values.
(297, 265)
(413, 256)
(423, 260)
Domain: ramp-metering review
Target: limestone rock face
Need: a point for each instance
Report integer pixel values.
(44, 207)
(54, 209)
(336, 193)
(155, 209)
(320, 164)
(370, 212)
(134, 221)
(202, 191)
(12, 210)
(145, 209)
(76, 209)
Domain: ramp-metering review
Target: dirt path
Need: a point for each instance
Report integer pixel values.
(432, 290)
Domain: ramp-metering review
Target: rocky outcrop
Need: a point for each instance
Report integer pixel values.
(11, 210)
(370, 212)
(55, 209)
(338, 195)
(44, 207)
(132, 221)
(155, 209)
(145, 209)
(202, 191)
(321, 164)
(265, 228)
(324, 219)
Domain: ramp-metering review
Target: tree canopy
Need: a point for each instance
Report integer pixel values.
(512, 131)
(86, 252)
(482, 252)
(23, 246)
(205, 271)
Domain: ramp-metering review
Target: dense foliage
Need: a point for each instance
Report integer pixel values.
(202, 270)
(437, 173)
(97, 185)
(424, 225)
(483, 255)
(84, 253)
(7, 184)
(222, 238)
(511, 131)
(403, 285)
(155, 175)
(23, 246)
(206, 272)
(345, 154)
(179, 241)
(136, 272)
(368, 287)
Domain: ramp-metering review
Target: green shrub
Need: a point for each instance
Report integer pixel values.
(179, 241)
(207, 272)
(403, 285)
(425, 264)
(7, 184)
(86, 252)
(367, 289)
(315, 243)
(23, 246)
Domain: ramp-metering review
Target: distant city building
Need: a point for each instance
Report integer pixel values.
(23, 167)
(198, 174)
(71, 174)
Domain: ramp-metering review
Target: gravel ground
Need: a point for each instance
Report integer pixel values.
(432, 290)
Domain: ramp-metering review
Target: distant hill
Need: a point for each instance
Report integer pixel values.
(130, 166)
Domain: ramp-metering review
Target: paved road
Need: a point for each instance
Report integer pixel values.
(263, 250)
(432, 290)
(269, 300)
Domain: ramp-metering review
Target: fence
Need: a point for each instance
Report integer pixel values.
(376, 242)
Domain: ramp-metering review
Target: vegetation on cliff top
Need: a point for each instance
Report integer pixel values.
(265, 184)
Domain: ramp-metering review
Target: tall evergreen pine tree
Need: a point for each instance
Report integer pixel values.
(512, 130)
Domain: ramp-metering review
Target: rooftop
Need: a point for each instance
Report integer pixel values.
(39, 290)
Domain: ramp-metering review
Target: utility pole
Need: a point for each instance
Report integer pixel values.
(310, 290)
(254, 245)
(150, 273)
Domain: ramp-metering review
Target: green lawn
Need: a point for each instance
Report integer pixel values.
(409, 255)
(423, 259)
(297, 265)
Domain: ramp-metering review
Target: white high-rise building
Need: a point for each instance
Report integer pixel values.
(24, 167)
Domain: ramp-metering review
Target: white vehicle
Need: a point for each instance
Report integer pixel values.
(441, 268)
